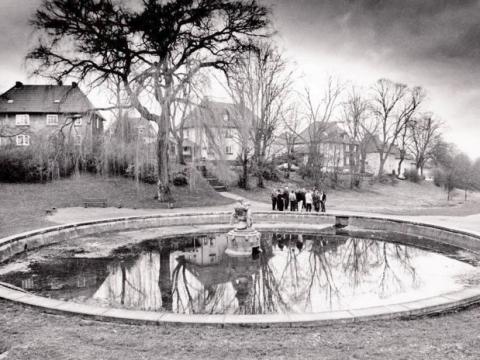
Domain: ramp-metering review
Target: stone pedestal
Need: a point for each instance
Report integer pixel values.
(242, 242)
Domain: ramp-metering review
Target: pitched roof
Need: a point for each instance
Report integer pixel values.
(214, 114)
(329, 132)
(372, 148)
(44, 99)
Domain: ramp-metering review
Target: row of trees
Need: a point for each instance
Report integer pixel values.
(160, 54)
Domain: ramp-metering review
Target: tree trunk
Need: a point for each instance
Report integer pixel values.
(260, 183)
(381, 166)
(259, 163)
(244, 179)
(400, 165)
(163, 186)
(180, 157)
(164, 279)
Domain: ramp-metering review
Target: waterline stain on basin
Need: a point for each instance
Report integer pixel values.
(294, 274)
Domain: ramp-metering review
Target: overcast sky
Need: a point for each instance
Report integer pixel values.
(430, 43)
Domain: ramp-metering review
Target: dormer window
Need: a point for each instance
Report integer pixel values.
(22, 120)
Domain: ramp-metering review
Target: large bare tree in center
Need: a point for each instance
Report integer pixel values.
(153, 46)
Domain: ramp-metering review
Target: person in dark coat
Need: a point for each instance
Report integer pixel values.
(280, 200)
(303, 192)
(274, 199)
(323, 200)
(316, 200)
(286, 197)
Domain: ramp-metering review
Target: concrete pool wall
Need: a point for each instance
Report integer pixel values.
(20, 243)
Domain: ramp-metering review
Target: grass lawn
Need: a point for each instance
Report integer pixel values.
(27, 333)
(401, 198)
(22, 206)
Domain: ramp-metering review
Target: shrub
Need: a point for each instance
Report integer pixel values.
(180, 179)
(305, 171)
(438, 177)
(22, 165)
(146, 173)
(412, 175)
(270, 172)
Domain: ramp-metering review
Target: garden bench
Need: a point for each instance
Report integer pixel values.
(51, 211)
(95, 203)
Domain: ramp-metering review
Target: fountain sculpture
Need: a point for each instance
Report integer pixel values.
(244, 240)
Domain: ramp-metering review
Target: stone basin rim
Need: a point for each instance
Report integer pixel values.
(442, 303)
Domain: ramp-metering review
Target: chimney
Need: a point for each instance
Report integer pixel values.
(74, 84)
(18, 84)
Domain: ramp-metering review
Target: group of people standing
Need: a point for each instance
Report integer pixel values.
(298, 200)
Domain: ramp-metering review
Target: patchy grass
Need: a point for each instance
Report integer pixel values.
(401, 198)
(22, 206)
(29, 334)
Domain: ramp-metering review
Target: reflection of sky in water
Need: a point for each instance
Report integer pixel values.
(294, 273)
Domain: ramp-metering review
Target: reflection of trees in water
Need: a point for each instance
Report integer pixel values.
(320, 271)
(293, 273)
(362, 257)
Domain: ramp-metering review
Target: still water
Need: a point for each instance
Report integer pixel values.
(294, 273)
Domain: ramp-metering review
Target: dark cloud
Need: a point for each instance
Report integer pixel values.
(424, 28)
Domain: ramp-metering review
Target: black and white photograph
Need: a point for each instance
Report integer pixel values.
(239, 179)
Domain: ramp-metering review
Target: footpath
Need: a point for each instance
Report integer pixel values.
(80, 214)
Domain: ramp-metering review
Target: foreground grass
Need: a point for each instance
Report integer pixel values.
(29, 334)
(22, 206)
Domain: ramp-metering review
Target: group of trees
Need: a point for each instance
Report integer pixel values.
(160, 54)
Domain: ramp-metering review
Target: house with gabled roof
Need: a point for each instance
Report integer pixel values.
(211, 131)
(372, 160)
(333, 143)
(33, 114)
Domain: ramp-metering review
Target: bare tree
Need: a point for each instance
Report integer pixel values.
(290, 137)
(154, 48)
(424, 133)
(260, 82)
(393, 105)
(318, 115)
(355, 115)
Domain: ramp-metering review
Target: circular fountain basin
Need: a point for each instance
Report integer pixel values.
(161, 270)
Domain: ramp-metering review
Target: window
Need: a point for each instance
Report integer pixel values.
(212, 242)
(22, 119)
(213, 258)
(226, 117)
(77, 140)
(228, 150)
(52, 119)
(23, 140)
(228, 133)
(98, 123)
(141, 130)
(77, 121)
